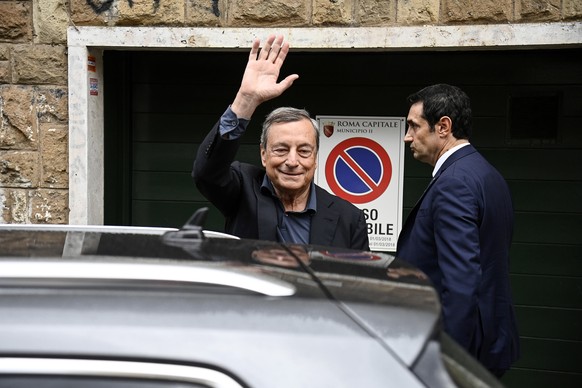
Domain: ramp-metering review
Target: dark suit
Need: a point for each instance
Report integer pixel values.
(235, 189)
(459, 233)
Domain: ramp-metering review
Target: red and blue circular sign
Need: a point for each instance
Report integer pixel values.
(358, 170)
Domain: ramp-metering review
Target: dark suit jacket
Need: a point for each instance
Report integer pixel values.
(235, 189)
(459, 233)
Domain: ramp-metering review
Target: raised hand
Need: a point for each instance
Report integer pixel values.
(259, 82)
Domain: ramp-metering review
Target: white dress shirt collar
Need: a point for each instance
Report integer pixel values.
(445, 156)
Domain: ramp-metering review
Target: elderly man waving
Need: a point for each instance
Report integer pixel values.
(279, 202)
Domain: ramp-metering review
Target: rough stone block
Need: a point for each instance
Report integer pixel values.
(4, 52)
(92, 12)
(205, 13)
(483, 11)
(18, 125)
(260, 13)
(5, 69)
(13, 206)
(150, 12)
(50, 20)
(572, 9)
(49, 206)
(54, 141)
(415, 12)
(5, 74)
(39, 64)
(15, 17)
(52, 104)
(538, 10)
(338, 12)
(19, 169)
(376, 12)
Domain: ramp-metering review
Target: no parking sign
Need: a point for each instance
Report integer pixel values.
(361, 159)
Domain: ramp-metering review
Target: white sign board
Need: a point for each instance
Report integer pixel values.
(361, 159)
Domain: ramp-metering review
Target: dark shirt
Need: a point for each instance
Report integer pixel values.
(231, 127)
(292, 227)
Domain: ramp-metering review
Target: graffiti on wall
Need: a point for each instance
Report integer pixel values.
(215, 9)
(100, 6)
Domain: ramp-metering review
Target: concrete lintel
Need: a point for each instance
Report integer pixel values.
(492, 36)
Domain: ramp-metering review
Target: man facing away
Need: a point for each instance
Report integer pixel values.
(280, 202)
(459, 232)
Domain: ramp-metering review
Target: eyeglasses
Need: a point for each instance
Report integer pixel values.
(303, 152)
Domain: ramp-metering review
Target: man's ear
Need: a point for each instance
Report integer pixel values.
(444, 126)
(263, 156)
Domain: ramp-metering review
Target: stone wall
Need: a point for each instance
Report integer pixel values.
(33, 65)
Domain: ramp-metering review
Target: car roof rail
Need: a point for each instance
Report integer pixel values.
(129, 273)
(104, 368)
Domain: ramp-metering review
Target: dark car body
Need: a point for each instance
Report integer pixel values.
(127, 306)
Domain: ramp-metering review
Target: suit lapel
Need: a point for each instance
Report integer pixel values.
(325, 220)
(412, 216)
(450, 160)
(266, 215)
